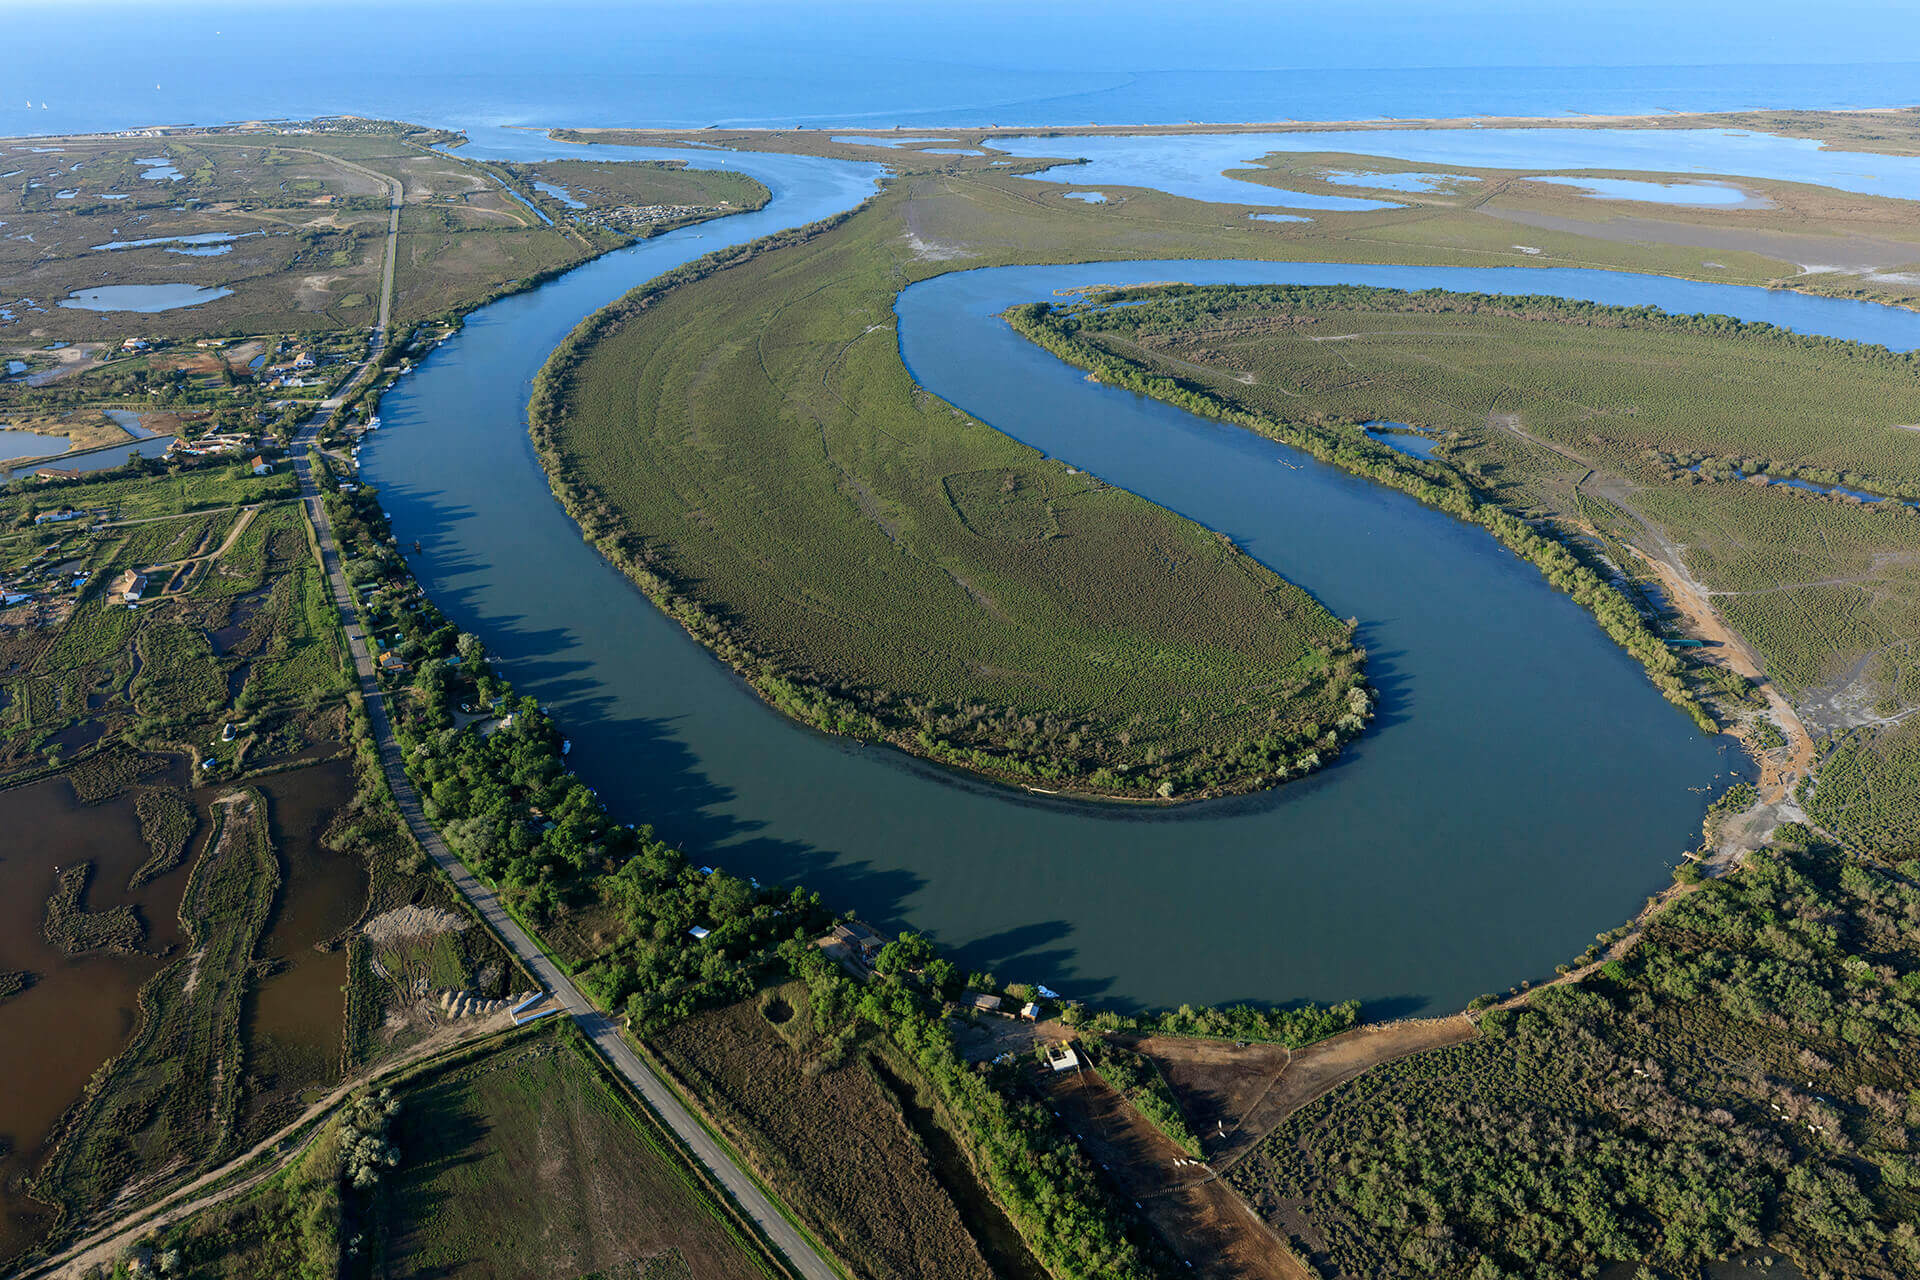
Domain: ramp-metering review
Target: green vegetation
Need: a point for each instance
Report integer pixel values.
(1867, 788)
(1294, 1027)
(1743, 1076)
(527, 1162)
(74, 929)
(921, 578)
(617, 906)
(1139, 1079)
(825, 1133)
(291, 1227)
(1348, 447)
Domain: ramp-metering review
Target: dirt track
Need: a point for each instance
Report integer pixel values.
(1204, 1220)
(101, 1248)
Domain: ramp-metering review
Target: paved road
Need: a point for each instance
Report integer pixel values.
(597, 1025)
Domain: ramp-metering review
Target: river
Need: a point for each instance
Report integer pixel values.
(1475, 837)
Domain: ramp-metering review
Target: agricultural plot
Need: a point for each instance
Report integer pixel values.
(827, 1135)
(206, 718)
(526, 1163)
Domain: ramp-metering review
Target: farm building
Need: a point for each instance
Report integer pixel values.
(1061, 1057)
(129, 586)
(1030, 1011)
(981, 1002)
(699, 931)
(260, 465)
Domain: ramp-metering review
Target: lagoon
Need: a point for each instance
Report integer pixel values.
(1194, 165)
(15, 443)
(143, 298)
(1720, 195)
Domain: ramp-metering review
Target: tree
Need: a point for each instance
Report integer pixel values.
(909, 951)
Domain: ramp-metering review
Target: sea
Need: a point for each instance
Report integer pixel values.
(85, 65)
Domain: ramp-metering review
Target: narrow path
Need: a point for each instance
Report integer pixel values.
(233, 535)
(598, 1027)
(100, 1249)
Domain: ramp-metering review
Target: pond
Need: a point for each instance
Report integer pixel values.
(559, 193)
(101, 459)
(1409, 182)
(199, 243)
(144, 298)
(1716, 195)
(28, 444)
(79, 1010)
(1401, 438)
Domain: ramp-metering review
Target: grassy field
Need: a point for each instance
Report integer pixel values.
(1621, 430)
(291, 1227)
(820, 1124)
(526, 1163)
(881, 564)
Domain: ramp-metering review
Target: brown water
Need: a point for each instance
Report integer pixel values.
(296, 1016)
(79, 1011)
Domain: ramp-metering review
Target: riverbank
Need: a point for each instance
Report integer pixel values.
(956, 658)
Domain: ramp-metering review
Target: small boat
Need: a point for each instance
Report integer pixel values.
(416, 546)
(566, 745)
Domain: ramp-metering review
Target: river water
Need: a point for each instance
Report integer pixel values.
(1475, 837)
(1524, 787)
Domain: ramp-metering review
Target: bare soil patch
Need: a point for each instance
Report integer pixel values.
(1202, 1219)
